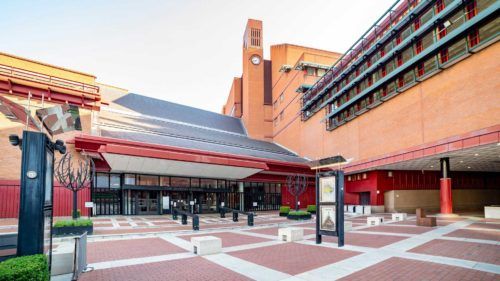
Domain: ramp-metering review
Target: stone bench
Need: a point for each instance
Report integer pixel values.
(291, 234)
(374, 220)
(350, 209)
(359, 209)
(62, 258)
(492, 212)
(347, 226)
(367, 210)
(398, 216)
(206, 245)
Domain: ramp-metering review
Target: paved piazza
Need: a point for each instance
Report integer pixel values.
(158, 248)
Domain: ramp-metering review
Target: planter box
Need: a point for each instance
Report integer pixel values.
(301, 217)
(283, 214)
(72, 230)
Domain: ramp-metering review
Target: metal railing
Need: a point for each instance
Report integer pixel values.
(80, 256)
(47, 79)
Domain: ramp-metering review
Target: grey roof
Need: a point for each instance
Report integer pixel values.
(186, 135)
(182, 113)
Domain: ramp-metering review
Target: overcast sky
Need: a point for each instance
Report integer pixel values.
(182, 51)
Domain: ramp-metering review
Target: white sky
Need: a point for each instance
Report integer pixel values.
(183, 51)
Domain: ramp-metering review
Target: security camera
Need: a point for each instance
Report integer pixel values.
(15, 140)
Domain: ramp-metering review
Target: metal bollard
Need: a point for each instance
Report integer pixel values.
(250, 219)
(174, 214)
(222, 212)
(196, 222)
(184, 219)
(235, 216)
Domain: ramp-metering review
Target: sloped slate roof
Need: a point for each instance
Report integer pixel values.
(178, 112)
(181, 132)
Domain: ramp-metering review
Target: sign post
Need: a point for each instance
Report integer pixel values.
(330, 205)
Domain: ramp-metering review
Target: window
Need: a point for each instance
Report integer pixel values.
(147, 180)
(102, 180)
(208, 183)
(441, 31)
(471, 9)
(165, 181)
(383, 71)
(282, 97)
(310, 71)
(473, 38)
(398, 39)
(401, 81)
(416, 24)
(443, 55)
(439, 5)
(114, 181)
(321, 72)
(364, 176)
(420, 69)
(179, 182)
(399, 60)
(418, 46)
(129, 179)
(221, 184)
(195, 182)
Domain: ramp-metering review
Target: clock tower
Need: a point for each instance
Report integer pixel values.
(256, 98)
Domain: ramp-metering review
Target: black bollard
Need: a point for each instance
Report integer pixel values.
(235, 216)
(174, 214)
(196, 222)
(184, 219)
(250, 219)
(222, 212)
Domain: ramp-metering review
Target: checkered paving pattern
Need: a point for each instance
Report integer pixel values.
(159, 248)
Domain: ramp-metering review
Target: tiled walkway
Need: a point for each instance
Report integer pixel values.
(158, 248)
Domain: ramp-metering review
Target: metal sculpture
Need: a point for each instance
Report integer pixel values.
(75, 178)
(296, 185)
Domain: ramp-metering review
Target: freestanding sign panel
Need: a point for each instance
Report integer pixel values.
(35, 208)
(330, 205)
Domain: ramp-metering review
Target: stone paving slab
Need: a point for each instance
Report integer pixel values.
(293, 258)
(230, 239)
(486, 226)
(412, 270)
(461, 250)
(274, 231)
(126, 249)
(399, 229)
(476, 234)
(195, 268)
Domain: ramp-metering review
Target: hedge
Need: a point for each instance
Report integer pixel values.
(284, 209)
(311, 208)
(25, 268)
(298, 213)
(69, 223)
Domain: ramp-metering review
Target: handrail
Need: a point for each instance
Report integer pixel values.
(44, 78)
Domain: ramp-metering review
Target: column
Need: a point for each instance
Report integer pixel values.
(241, 190)
(445, 184)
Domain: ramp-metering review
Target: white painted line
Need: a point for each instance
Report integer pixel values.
(135, 261)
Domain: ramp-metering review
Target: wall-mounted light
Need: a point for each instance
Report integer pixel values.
(378, 191)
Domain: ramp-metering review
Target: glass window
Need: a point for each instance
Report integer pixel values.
(179, 182)
(221, 184)
(165, 181)
(321, 72)
(310, 71)
(102, 180)
(114, 181)
(129, 179)
(208, 183)
(147, 180)
(195, 182)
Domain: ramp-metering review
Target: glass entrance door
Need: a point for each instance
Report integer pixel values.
(147, 202)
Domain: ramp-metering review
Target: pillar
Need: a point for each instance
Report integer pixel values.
(241, 190)
(445, 187)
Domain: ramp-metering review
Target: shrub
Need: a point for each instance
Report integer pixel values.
(78, 213)
(284, 209)
(70, 223)
(25, 268)
(311, 208)
(298, 213)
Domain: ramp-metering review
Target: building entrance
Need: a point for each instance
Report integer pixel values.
(147, 202)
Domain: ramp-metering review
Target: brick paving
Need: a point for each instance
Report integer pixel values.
(476, 234)
(274, 231)
(195, 268)
(127, 249)
(230, 239)
(492, 226)
(412, 270)
(399, 229)
(293, 258)
(364, 240)
(461, 250)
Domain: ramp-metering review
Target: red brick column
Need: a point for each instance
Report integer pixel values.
(445, 196)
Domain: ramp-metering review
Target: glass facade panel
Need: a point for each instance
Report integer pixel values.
(114, 181)
(195, 182)
(129, 179)
(165, 181)
(179, 182)
(102, 180)
(208, 183)
(147, 180)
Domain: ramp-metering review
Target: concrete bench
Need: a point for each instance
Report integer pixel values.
(423, 220)
(359, 209)
(62, 258)
(350, 209)
(367, 210)
(492, 212)
(398, 216)
(291, 234)
(374, 220)
(206, 245)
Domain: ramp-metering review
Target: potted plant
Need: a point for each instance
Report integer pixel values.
(284, 210)
(73, 227)
(299, 215)
(311, 209)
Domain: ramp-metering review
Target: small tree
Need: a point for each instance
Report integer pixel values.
(75, 178)
(296, 185)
